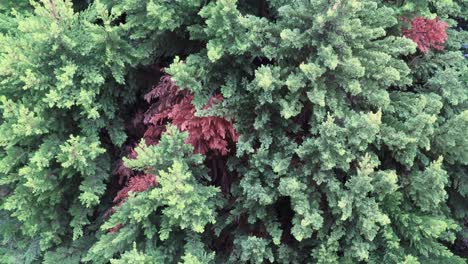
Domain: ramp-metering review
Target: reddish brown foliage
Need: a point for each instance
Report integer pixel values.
(138, 183)
(121, 170)
(170, 104)
(175, 106)
(115, 229)
(427, 33)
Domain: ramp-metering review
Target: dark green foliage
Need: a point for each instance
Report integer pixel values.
(353, 144)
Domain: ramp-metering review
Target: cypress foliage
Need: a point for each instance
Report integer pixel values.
(233, 131)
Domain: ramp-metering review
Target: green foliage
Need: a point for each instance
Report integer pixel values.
(352, 148)
(55, 103)
(178, 208)
(369, 122)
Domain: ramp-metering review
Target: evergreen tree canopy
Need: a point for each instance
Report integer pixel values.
(233, 131)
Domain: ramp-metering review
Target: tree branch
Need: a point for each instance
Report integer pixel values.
(54, 9)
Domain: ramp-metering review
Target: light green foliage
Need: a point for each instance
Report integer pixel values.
(154, 28)
(361, 172)
(61, 75)
(188, 205)
(449, 140)
(353, 145)
(308, 217)
(428, 188)
(54, 104)
(410, 124)
(252, 249)
(133, 257)
(179, 203)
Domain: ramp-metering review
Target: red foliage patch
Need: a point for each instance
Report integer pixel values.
(115, 229)
(121, 170)
(170, 104)
(427, 33)
(138, 183)
(175, 106)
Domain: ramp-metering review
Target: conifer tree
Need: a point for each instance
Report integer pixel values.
(233, 131)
